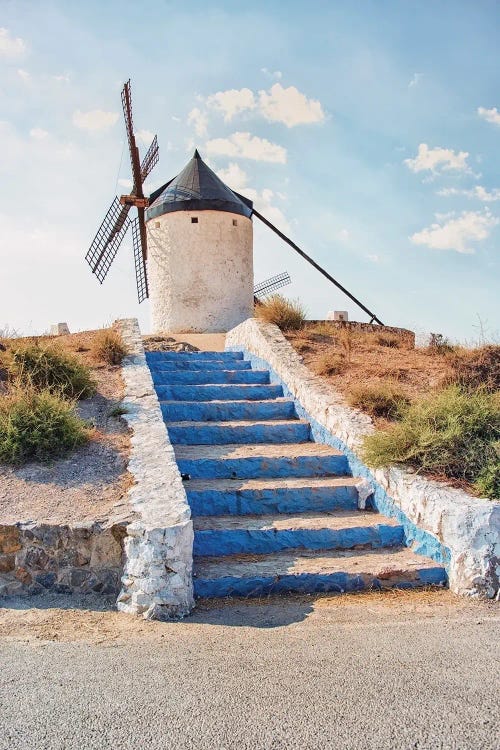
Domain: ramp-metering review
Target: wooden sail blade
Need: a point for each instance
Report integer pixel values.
(139, 262)
(108, 239)
(269, 286)
(129, 126)
(150, 160)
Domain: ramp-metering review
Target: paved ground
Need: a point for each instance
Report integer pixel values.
(401, 670)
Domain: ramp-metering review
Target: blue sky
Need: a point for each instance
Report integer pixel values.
(367, 131)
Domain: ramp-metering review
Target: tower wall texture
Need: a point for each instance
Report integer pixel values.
(200, 274)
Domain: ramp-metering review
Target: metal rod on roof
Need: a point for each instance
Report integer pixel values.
(317, 266)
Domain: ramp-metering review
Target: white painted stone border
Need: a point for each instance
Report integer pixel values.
(157, 580)
(469, 527)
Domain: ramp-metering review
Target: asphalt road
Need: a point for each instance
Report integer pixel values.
(300, 674)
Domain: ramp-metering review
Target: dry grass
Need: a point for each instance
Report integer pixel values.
(370, 363)
(385, 399)
(289, 315)
(329, 363)
(108, 346)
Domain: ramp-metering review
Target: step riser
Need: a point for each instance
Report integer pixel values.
(309, 583)
(268, 502)
(211, 434)
(219, 542)
(193, 365)
(260, 467)
(192, 356)
(201, 377)
(218, 393)
(206, 411)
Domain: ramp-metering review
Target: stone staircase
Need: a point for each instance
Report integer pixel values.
(272, 510)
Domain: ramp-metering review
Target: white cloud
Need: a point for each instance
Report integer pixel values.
(237, 179)
(277, 74)
(343, 235)
(198, 120)
(232, 102)
(63, 78)
(234, 176)
(415, 80)
(437, 159)
(490, 115)
(38, 133)
(289, 106)
(175, 118)
(478, 192)
(247, 146)
(374, 258)
(144, 136)
(23, 74)
(457, 232)
(94, 120)
(11, 47)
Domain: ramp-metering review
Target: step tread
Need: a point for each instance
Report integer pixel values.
(268, 483)
(397, 562)
(239, 423)
(224, 402)
(334, 520)
(265, 450)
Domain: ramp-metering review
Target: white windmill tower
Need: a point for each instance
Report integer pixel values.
(200, 253)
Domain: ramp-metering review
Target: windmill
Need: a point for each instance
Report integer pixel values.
(110, 234)
(265, 288)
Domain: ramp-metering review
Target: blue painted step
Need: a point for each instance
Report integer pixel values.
(200, 364)
(307, 572)
(152, 357)
(218, 392)
(256, 461)
(218, 411)
(223, 433)
(202, 377)
(220, 497)
(257, 535)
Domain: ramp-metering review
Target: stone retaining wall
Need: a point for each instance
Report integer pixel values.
(406, 336)
(157, 576)
(444, 523)
(74, 558)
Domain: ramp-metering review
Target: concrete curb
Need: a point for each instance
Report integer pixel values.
(157, 578)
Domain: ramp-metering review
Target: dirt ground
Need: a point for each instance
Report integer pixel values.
(93, 619)
(88, 482)
(367, 362)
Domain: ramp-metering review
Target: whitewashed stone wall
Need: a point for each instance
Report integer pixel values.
(200, 275)
(157, 576)
(469, 527)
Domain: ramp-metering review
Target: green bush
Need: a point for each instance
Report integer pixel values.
(48, 368)
(109, 346)
(289, 315)
(380, 400)
(488, 481)
(452, 433)
(37, 425)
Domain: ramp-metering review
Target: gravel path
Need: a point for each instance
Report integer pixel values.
(375, 671)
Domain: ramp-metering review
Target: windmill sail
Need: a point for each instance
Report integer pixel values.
(108, 239)
(269, 286)
(150, 160)
(140, 267)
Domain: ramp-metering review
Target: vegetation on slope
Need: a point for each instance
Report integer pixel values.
(49, 368)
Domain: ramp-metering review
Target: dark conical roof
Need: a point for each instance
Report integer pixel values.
(197, 188)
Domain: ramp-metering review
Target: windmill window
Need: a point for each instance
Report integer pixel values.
(235, 222)
(194, 220)
(157, 224)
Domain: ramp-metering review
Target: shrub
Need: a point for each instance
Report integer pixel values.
(38, 425)
(451, 433)
(48, 368)
(439, 344)
(108, 346)
(330, 363)
(476, 368)
(289, 315)
(379, 400)
(384, 339)
(488, 480)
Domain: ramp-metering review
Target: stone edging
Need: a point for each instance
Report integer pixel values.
(158, 549)
(440, 521)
